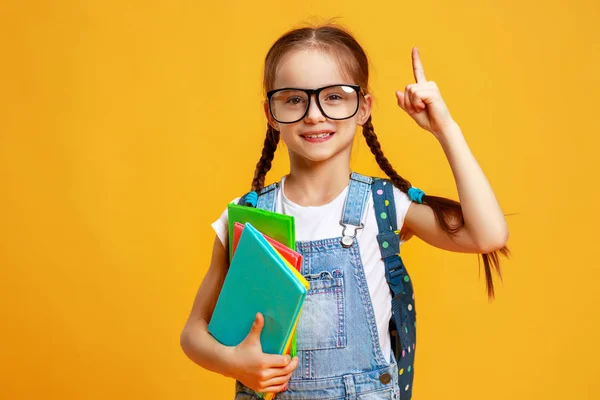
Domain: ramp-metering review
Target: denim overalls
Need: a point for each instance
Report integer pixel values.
(337, 340)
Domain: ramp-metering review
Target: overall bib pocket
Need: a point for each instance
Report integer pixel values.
(321, 325)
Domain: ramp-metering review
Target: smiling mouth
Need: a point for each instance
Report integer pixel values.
(318, 135)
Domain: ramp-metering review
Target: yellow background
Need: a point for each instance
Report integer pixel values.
(118, 124)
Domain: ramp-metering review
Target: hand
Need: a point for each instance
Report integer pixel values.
(423, 101)
(259, 371)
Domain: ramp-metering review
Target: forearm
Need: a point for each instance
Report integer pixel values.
(200, 347)
(484, 219)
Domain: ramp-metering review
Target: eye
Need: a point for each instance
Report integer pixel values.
(333, 97)
(294, 100)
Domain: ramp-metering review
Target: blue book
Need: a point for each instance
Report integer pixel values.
(258, 280)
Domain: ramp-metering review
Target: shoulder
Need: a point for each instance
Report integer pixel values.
(401, 203)
(220, 226)
(224, 215)
(401, 199)
(265, 190)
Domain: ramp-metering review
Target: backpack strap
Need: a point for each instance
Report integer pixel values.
(403, 322)
(388, 237)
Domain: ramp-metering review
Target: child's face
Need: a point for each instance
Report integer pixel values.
(312, 69)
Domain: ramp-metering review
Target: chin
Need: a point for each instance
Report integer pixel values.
(322, 154)
(318, 157)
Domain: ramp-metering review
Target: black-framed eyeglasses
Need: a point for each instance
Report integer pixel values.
(289, 105)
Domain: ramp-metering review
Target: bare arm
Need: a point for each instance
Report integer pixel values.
(485, 228)
(197, 343)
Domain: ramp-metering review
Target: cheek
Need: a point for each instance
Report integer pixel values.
(287, 133)
(347, 128)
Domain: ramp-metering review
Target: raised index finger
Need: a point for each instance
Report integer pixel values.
(417, 66)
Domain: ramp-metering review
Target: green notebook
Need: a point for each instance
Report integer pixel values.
(277, 226)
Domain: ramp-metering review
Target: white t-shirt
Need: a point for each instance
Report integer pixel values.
(323, 222)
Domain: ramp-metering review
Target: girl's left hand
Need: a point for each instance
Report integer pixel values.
(423, 101)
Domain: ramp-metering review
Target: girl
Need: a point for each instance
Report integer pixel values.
(317, 86)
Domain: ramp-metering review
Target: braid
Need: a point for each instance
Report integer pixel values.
(448, 213)
(384, 164)
(264, 164)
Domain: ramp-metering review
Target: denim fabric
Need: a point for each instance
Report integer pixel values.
(337, 340)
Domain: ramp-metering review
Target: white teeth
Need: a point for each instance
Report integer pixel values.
(320, 135)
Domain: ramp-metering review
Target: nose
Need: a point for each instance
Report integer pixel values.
(314, 114)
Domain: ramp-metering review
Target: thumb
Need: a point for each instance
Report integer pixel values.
(254, 334)
(400, 97)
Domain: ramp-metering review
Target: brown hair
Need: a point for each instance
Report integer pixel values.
(340, 44)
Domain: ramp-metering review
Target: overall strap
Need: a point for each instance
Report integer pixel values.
(358, 193)
(266, 198)
(403, 322)
(354, 206)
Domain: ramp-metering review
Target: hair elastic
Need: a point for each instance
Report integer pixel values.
(251, 199)
(416, 194)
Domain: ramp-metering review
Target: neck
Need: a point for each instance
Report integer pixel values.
(317, 183)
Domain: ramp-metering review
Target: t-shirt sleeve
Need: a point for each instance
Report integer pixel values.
(220, 226)
(403, 203)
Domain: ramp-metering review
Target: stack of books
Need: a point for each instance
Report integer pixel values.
(264, 276)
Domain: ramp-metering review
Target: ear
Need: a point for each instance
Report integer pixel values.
(364, 109)
(274, 124)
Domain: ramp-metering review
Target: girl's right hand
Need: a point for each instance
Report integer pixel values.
(259, 371)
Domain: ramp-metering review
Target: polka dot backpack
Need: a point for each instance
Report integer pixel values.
(403, 323)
